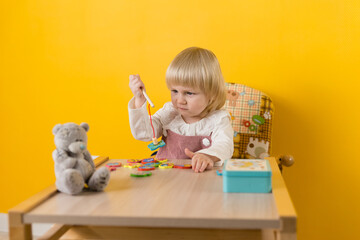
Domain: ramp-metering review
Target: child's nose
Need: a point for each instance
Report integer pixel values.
(182, 99)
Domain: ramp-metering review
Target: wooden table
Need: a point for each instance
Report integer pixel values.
(172, 203)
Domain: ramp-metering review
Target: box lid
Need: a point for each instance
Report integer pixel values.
(247, 167)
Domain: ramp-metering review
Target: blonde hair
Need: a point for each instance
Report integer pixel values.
(199, 68)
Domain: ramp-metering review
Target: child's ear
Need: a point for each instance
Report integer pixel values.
(85, 126)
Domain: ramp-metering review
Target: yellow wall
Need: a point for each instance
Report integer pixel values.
(64, 61)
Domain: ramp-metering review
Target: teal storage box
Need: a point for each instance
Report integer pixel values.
(247, 176)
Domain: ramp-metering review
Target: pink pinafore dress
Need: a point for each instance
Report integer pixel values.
(175, 145)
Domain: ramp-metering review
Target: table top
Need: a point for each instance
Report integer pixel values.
(168, 198)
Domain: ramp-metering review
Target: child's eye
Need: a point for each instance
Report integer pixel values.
(174, 91)
(190, 93)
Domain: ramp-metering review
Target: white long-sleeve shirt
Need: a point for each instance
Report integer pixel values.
(217, 124)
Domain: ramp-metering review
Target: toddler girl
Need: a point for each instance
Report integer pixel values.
(193, 125)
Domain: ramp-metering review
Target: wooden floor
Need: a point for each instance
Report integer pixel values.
(4, 236)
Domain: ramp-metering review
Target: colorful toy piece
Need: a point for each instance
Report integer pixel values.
(153, 146)
(141, 174)
(185, 166)
(111, 168)
(161, 160)
(114, 164)
(156, 164)
(134, 161)
(132, 165)
(146, 168)
(148, 160)
(219, 172)
(166, 165)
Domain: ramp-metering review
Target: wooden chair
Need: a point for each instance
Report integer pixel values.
(252, 113)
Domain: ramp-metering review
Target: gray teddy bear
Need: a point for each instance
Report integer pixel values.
(74, 165)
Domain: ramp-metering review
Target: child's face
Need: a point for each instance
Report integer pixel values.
(189, 102)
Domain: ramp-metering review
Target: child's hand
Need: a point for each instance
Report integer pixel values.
(137, 86)
(200, 161)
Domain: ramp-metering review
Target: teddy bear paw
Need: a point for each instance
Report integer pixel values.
(71, 182)
(100, 179)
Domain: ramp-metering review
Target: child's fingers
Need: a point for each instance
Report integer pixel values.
(196, 163)
(203, 166)
(136, 91)
(193, 163)
(135, 80)
(139, 85)
(136, 85)
(134, 77)
(210, 165)
(191, 155)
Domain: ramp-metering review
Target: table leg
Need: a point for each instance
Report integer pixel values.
(17, 229)
(288, 229)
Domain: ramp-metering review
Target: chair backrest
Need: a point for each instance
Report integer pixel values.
(252, 113)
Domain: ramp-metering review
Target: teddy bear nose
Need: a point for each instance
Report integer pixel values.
(82, 146)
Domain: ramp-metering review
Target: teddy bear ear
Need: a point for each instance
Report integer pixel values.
(85, 126)
(56, 128)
